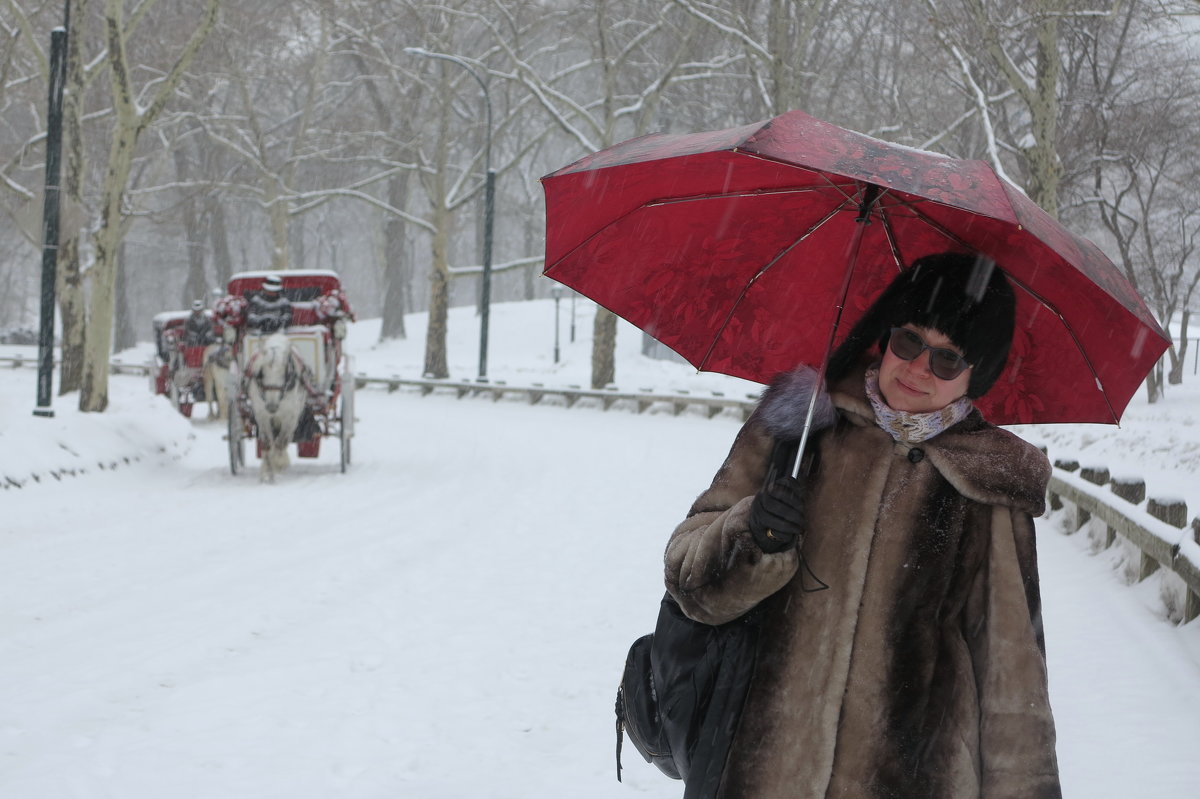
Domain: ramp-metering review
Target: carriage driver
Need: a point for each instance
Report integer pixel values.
(198, 329)
(269, 310)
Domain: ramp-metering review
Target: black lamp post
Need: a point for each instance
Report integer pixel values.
(556, 292)
(489, 202)
(50, 207)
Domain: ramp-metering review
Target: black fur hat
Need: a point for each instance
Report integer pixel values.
(965, 296)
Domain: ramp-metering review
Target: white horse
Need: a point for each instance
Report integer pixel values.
(277, 386)
(216, 374)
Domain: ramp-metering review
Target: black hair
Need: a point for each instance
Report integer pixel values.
(964, 296)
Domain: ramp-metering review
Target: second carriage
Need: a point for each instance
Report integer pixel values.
(319, 316)
(178, 368)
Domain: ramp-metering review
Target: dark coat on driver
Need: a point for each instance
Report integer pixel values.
(268, 314)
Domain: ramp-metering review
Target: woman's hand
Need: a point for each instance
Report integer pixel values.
(777, 515)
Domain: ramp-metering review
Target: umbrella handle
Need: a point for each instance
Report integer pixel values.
(812, 406)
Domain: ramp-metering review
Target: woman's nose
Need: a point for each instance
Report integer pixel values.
(921, 362)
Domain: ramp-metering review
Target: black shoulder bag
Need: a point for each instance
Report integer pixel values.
(684, 685)
(682, 693)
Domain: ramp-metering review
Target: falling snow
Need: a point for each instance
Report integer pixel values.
(449, 618)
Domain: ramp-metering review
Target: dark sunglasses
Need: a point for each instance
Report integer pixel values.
(907, 346)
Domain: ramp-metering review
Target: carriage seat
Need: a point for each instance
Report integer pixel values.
(304, 313)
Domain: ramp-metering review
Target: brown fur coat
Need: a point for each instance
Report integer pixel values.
(920, 671)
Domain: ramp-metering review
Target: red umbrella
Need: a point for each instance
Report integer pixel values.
(737, 248)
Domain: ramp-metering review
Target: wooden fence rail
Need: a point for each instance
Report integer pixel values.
(1159, 529)
(677, 402)
(114, 367)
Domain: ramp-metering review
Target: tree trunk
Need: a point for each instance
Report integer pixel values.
(125, 333)
(219, 242)
(1154, 384)
(604, 347)
(72, 313)
(1045, 167)
(297, 257)
(1175, 376)
(439, 296)
(277, 210)
(529, 274)
(195, 287)
(71, 301)
(395, 272)
(93, 395)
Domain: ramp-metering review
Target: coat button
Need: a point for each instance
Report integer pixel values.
(916, 455)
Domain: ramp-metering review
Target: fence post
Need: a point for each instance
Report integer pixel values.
(1097, 475)
(1066, 466)
(1173, 512)
(1130, 489)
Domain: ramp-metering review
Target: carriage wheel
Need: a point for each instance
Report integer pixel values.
(346, 418)
(237, 457)
(345, 430)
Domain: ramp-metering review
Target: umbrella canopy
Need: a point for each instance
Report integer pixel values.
(733, 247)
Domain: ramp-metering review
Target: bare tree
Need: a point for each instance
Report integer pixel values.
(444, 140)
(609, 81)
(131, 119)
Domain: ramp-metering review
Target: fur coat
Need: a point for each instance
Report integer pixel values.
(920, 671)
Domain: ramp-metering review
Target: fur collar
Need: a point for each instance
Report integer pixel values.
(783, 406)
(983, 462)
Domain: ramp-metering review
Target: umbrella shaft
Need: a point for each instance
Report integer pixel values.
(870, 196)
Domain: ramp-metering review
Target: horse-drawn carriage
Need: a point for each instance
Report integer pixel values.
(293, 384)
(178, 371)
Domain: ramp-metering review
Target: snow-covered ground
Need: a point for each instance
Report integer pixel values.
(449, 618)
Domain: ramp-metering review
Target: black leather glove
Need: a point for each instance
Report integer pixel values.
(777, 515)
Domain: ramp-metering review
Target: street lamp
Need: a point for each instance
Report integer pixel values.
(556, 292)
(50, 210)
(489, 197)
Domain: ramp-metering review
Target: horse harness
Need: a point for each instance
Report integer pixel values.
(291, 376)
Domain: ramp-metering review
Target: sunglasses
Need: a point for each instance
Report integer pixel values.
(907, 346)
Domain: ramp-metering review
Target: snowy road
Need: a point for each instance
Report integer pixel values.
(447, 620)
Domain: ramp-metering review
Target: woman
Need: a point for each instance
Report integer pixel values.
(919, 671)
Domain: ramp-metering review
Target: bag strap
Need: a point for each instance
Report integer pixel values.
(620, 725)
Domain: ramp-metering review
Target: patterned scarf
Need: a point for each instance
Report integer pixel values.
(912, 428)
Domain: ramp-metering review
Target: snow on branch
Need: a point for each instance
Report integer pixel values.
(981, 106)
(315, 198)
(734, 32)
(529, 260)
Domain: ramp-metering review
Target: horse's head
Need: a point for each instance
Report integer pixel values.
(274, 371)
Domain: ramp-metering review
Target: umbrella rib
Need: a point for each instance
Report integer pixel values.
(750, 283)
(938, 226)
(890, 234)
(733, 194)
(1042, 301)
(823, 175)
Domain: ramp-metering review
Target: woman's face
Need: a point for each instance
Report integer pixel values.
(910, 386)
